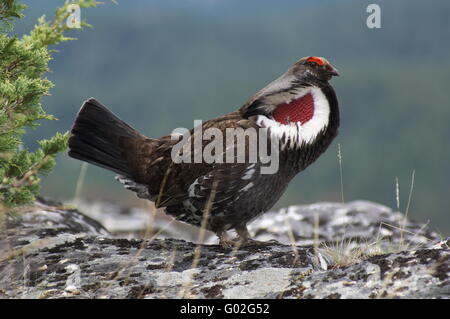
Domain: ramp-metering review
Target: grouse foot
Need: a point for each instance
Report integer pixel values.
(224, 241)
(244, 239)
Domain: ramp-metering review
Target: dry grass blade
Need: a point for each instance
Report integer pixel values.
(411, 233)
(345, 252)
(397, 194)
(339, 155)
(292, 240)
(201, 237)
(403, 225)
(316, 234)
(80, 182)
(37, 244)
(163, 185)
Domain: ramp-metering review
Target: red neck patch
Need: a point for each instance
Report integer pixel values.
(299, 110)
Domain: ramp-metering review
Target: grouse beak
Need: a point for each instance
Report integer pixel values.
(330, 71)
(333, 71)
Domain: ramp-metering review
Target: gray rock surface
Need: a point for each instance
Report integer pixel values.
(52, 252)
(363, 221)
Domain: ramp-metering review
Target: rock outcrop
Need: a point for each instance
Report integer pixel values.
(327, 250)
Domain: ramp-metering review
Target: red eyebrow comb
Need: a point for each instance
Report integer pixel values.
(315, 59)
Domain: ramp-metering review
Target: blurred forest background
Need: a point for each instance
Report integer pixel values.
(160, 64)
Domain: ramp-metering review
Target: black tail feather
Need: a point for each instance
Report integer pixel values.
(98, 138)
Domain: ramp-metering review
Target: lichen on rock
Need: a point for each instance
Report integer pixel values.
(54, 252)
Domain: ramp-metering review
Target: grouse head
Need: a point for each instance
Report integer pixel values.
(314, 70)
(299, 105)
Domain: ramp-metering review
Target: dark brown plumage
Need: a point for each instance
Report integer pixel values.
(232, 193)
